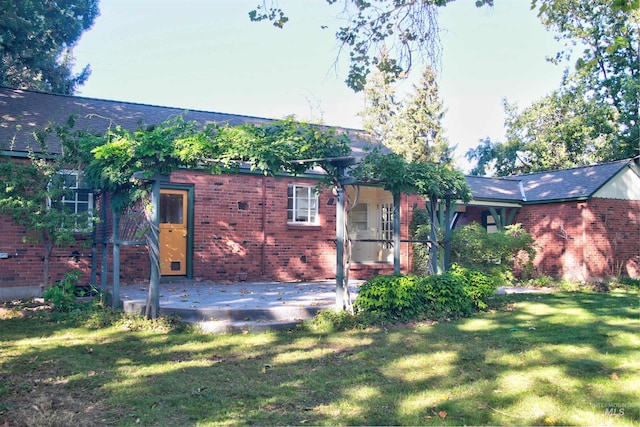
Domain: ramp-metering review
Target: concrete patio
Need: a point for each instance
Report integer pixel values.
(236, 307)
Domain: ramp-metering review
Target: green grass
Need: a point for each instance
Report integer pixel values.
(561, 358)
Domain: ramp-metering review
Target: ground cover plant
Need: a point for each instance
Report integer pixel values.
(564, 358)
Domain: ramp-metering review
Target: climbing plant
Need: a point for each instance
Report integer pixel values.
(440, 185)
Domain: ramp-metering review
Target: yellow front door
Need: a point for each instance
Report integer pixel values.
(173, 232)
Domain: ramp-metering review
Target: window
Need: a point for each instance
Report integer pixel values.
(78, 201)
(302, 204)
(489, 222)
(386, 224)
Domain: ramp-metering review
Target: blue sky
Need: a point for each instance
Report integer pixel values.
(205, 54)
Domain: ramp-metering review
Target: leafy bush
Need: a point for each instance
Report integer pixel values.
(411, 298)
(396, 297)
(63, 294)
(447, 296)
(628, 281)
(493, 253)
(477, 285)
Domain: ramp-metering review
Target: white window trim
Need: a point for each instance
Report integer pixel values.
(73, 204)
(295, 210)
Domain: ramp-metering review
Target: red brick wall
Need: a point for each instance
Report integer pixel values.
(586, 240)
(240, 227)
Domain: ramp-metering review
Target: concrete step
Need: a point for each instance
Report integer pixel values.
(234, 319)
(220, 326)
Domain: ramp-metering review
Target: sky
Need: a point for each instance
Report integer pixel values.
(207, 55)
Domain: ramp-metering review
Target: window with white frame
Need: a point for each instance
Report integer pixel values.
(76, 200)
(302, 204)
(386, 224)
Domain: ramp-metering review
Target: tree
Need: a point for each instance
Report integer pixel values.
(405, 27)
(420, 129)
(593, 117)
(608, 31)
(32, 194)
(562, 130)
(37, 40)
(411, 128)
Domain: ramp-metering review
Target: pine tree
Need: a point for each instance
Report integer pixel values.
(420, 132)
(411, 128)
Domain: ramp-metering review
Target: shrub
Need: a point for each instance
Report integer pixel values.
(477, 285)
(447, 296)
(419, 229)
(493, 253)
(396, 297)
(63, 294)
(628, 281)
(409, 298)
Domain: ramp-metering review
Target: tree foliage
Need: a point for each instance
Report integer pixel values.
(30, 193)
(36, 43)
(562, 130)
(593, 117)
(405, 28)
(410, 127)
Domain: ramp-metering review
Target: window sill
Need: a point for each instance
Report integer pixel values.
(296, 226)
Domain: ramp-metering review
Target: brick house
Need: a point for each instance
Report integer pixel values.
(585, 220)
(247, 226)
(213, 227)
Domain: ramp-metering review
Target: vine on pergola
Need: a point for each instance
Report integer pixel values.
(176, 143)
(123, 158)
(439, 184)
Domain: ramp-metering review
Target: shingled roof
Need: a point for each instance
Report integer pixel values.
(24, 111)
(568, 184)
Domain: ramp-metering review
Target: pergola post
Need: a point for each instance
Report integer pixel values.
(340, 235)
(153, 300)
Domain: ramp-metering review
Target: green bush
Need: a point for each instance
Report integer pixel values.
(477, 285)
(447, 296)
(395, 297)
(63, 294)
(493, 253)
(419, 229)
(410, 298)
(628, 281)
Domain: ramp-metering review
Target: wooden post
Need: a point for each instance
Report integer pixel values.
(153, 300)
(116, 262)
(340, 304)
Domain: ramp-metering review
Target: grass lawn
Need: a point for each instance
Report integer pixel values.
(552, 359)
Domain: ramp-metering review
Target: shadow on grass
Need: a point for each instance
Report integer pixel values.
(565, 359)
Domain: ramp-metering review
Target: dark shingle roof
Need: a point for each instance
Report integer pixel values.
(576, 183)
(568, 184)
(23, 111)
(495, 188)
